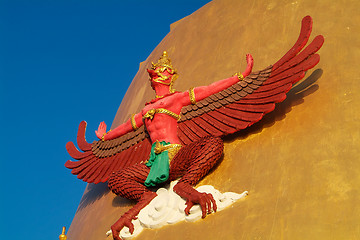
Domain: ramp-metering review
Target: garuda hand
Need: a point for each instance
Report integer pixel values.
(101, 130)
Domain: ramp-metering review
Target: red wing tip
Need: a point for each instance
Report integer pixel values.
(104, 179)
(68, 145)
(320, 36)
(97, 181)
(307, 19)
(269, 110)
(87, 180)
(82, 125)
(67, 164)
(317, 59)
(320, 39)
(281, 98)
(301, 76)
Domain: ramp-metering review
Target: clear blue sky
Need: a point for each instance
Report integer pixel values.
(62, 62)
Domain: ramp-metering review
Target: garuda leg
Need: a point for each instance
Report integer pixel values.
(193, 162)
(128, 183)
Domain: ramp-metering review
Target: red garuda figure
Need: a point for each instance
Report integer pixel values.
(177, 135)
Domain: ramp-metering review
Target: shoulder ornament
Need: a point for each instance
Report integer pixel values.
(192, 96)
(133, 123)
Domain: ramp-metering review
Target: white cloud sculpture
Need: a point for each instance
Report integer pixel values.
(168, 208)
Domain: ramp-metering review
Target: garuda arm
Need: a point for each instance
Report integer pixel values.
(205, 91)
(130, 125)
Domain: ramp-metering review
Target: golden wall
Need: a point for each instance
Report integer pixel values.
(301, 163)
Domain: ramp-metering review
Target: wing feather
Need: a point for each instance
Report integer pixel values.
(224, 119)
(190, 133)
(123, 159)
(102, 170)
(81, 141)
(75, 153)
(89, 176)
(269, 86)
(306, 27)
(99, 159)
(209, 127)
(312, 48)
(112, 163)
(71, 164)
(237, 115)
(197, 128)
(263, 108)
(83, 166)
(270, 92)
(182, 136)
(247, 101)
(219, 124)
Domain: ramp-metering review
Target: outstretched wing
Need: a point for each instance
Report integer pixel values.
(247, 101)
(98, 160)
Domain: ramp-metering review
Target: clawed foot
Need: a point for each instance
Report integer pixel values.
(124, 221)
(205, 200)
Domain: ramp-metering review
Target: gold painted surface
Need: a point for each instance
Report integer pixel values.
(301, 163)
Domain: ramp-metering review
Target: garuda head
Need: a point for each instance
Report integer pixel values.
(162, 73)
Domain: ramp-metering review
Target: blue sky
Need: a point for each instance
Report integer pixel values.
(62, 62)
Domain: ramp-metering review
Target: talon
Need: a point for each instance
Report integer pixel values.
(124, 221)
(189, 205)
(205, 200)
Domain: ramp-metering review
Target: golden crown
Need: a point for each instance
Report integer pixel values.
(165, 63)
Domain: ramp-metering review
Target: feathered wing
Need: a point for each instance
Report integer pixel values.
(226, 112)
(247, 101)
(99, 159)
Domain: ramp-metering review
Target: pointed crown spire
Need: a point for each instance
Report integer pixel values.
(164, 62)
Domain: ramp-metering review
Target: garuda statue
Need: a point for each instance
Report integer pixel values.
(177, 135)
